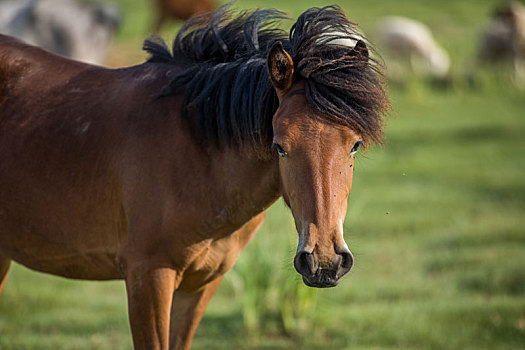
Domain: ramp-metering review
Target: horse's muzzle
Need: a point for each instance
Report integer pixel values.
(322, 279)
(323, 276)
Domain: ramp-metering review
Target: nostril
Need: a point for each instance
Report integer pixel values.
(304, 263)
(347, 261)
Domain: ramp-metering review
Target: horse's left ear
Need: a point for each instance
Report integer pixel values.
(360, 50)
(280, 68)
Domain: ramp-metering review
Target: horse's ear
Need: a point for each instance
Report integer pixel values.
(360, 50)
(280, 68)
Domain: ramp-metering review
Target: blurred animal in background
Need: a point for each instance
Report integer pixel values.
(82, 31)
(181, 10)
(409, 48)
(503, 39)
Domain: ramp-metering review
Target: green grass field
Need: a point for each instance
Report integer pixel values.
(436, 223)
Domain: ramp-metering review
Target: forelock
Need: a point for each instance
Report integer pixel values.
(344, 84)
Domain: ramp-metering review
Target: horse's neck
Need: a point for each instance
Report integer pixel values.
(243, 186)
(220, 188)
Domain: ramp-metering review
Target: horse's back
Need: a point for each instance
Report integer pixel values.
(47, 99)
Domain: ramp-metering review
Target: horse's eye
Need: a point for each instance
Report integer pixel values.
(282, 152)
(356, 146)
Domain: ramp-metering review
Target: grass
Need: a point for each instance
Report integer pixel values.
(436, 223)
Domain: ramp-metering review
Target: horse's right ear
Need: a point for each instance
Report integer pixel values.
(280, 68)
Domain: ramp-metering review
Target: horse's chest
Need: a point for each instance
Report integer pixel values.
(218, 257)
(214, 261)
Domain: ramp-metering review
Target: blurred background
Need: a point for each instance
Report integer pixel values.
(436, 217)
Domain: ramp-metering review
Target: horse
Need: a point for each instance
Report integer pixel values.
(159, 174)
(180, 9)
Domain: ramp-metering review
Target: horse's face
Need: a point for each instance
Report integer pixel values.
(316, 167)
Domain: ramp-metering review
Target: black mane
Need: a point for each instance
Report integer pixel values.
(226, 83)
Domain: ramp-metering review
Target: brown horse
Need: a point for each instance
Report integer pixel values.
(160, 174)
(180, 9)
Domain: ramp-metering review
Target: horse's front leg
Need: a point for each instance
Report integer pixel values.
(150, 293)
(187, 310)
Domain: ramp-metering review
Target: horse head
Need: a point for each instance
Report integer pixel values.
(316, 163)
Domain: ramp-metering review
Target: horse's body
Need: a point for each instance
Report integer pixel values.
(101, 178)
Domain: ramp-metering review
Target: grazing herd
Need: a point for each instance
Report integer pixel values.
(409, 47)
(83, 31)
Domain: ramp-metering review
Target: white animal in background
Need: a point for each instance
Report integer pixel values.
(405, 40)
(81, 31)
